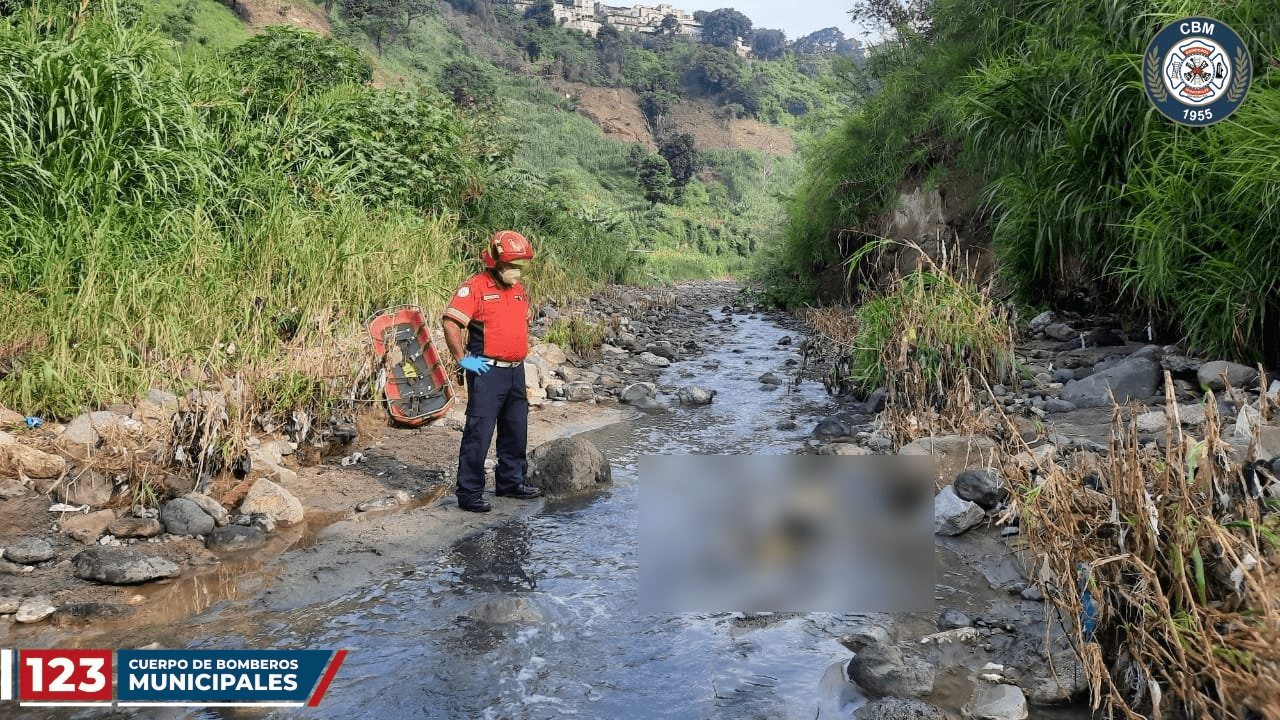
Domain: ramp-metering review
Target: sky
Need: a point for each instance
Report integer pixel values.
(796, 18)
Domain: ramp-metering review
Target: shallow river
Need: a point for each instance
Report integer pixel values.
(578, 647)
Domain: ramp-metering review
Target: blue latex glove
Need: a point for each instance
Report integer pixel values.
(477, 365)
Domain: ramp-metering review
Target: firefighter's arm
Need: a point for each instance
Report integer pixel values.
(453, 338)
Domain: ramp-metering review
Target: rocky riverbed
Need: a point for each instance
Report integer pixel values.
(317, 512)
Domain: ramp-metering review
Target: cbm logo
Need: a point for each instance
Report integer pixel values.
(1196, 71)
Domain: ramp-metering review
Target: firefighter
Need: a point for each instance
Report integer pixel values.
(493, 308)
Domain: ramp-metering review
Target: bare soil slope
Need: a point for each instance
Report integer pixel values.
(616, 112)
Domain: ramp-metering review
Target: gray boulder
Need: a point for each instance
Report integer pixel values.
(636, 392)
(121, 566)
(184, 517)
(272, 501)
(33, 609)
(29, 551)
(881, 670)
(568, 465)
(1136, 377)
(952, 515)
(211, 507)
(1211, 375)
(830, 429)
(998, 702)
(979, 486)
(505, 610)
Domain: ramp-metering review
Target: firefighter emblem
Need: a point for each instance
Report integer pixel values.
(1196, 71)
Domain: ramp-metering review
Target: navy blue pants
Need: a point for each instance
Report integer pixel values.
(494, 400)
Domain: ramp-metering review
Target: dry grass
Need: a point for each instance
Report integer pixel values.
(1180, 554)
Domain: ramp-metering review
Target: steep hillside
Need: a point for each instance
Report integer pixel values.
(616, 111)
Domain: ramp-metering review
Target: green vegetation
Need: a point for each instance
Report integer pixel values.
(577, 333)
(1044, 103)
(927, 337)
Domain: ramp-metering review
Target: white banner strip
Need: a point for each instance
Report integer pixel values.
(6, 674)
(63, 704)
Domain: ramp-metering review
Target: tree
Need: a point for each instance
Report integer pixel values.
(768, 44)
(653, 173)
(379, 19)
(543, 14)
(724, 27)
(467, 82)
(681, 157)
(655, 105)
(913, 15)
(670, 25)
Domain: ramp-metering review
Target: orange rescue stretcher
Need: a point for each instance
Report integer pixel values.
(412, 378)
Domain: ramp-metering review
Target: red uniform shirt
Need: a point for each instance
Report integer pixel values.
(495, 317)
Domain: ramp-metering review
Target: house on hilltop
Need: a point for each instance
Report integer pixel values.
(589, 15)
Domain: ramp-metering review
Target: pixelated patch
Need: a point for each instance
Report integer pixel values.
(464, 291)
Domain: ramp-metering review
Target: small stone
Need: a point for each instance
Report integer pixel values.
(135, 527)
(121, 566)
(693, 395)
(233, 538)
(652, 360)
(211, 507)
(33, 609)
(999, 702)
(951, 619)
(269, 499)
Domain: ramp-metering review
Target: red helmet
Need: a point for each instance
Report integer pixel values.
(507, 246)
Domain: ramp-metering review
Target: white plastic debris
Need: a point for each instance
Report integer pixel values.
(63, 507)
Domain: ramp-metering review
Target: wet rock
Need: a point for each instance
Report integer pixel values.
(649, 405)
(121, 566)
(1211, 375)
(652, 360)
(33, 609)
(663, 349)
(79, 614)
(831, 428)
(899, 709)
(881, 670)
(375, 504)
(87, 528)
(505, 610)
(235, 537)
(952, 515)
(785, 425)
(17, 460)
(870, 636)
(135, 527)
(184, 517)
(770, 378)
(567, 465)
(269, 499)
(88, 488)
(211, 507)
(979, 486)
(29, 551)
(951, 619)
(998, 702)
(1135, 377)
(694, 395)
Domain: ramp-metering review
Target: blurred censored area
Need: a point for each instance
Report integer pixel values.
(786, 533)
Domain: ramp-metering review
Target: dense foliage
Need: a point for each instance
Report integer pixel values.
(1045, 102)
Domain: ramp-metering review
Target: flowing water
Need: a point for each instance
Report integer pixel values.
(537, 617)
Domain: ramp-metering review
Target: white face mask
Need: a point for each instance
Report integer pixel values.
(510, 276)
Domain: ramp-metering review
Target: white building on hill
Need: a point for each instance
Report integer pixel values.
(589, 15)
